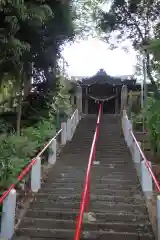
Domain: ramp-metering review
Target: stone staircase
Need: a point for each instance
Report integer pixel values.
(117, 202)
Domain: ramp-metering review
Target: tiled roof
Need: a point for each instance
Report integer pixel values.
(101, 77)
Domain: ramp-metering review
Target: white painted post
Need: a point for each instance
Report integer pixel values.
(127, 131)
(36, 176)
(73, 124)
(125, 128)
(75, 121)
(77, 117)
(69, 129)
(123, 120)
(146, 180)
(52, 152)
(136, 153)
(158, 217)
(8, 215)
(130, 139)
(63, 133)
(137, 158)
(72, 128)
(123, 124)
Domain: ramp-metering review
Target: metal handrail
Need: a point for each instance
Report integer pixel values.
(156, 182)
(85, 194)
(147, 163)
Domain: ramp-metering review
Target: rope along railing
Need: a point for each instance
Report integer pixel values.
(8, 198)
(143, 167)
(84, 206)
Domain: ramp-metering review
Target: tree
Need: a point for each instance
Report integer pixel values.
(135, 20)
(84, 11)
(31, 33)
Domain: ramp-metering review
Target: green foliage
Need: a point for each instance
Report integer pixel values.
(31, 36)
(131, 19)
(153, 125)
(17, 151)
(61, 100)
(5, 127)
(136, 20)
(151, 118)
(85, 11)
(154, 48)
(42, 131)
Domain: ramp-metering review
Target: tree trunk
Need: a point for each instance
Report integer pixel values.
(19, 103)
(19, 113)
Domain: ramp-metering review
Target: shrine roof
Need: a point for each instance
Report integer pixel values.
(101, 77)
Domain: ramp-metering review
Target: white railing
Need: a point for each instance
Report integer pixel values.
(143, 167)
(8, 199)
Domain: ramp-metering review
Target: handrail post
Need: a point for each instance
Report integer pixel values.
(63, 133)
(130, 139)
(137, 158)
(77, 117)
(69, 130)
(8, 215)
(146, 180)
(36, 175)
(75, 121)
(52, 152)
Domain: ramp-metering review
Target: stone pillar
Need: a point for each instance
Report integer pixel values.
(124, 96)
(79, 99)
(116, 103)
(86, 101)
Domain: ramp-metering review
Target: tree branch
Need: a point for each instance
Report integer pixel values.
(135, 23)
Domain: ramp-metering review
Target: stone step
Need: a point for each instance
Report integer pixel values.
(106, 191)
(69, 234)
(107, 155)
(111, 210)
(75, 172)
(93, 178)
(95, 205)
(116, 199)
(100, 216)
(71, 169)
(112, 168)
(73, 197)
(92, 226)
(80, 186)
(116, 148)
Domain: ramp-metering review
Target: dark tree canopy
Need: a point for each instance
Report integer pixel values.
(31, 34)
(136, 20)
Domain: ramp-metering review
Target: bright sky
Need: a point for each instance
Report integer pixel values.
(87, 57)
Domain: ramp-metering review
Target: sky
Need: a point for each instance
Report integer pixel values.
(86, 57)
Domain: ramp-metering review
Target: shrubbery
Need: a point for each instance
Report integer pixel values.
(17, 151)
(151, 118)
